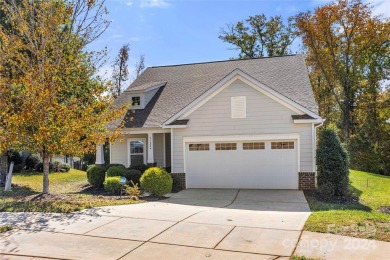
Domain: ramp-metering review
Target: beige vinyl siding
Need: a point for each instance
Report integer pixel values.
(149, 95)
(263, 116)
(119, 150)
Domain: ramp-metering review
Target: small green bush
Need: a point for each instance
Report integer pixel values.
(96, 176)
(108, 166)
(156, 181)
(112, 185)
(32, 161)
(332, 164)
(133, 190)
(88, 166)
(64, 167)
(142, 168)
(133, 176)
(116, 171)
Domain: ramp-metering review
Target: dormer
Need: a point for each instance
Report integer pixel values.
(139, 96)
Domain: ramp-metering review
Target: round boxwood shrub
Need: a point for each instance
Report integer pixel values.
(112, 185)
(133, 175)
(116, 171)
(64, 167)
(108, 166)
(96, 176)
(156, 181)
(332, 164)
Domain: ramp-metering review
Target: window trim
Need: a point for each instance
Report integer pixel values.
(262, 146)
(222, 143)
(132, 102)
(282, 147)
(204, 150)
(129, 150)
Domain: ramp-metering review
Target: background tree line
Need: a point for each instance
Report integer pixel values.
(347, 51)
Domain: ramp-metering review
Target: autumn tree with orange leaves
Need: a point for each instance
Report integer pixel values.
(50, 100)
(347, 53)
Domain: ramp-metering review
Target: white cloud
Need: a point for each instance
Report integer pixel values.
(129, 2)
(153, 3)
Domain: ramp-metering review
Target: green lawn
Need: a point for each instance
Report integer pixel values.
(71, 190)
(360, 219)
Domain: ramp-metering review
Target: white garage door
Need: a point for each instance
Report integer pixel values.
(242, 164)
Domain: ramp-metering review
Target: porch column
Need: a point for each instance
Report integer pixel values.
(99, 155)
(150, 160)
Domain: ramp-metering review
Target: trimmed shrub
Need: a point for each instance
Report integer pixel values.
(156, 181)
(133, 176)
(332, 164)
(87, 167)
(116, 171)
(32, 161)
(142, 168)
(64, 167)
(108, 166)
(96, 176)
(112, 185)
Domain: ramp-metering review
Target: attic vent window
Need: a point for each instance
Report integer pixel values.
(136, 101)
(238, 106)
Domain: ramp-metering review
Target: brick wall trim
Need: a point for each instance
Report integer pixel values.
(307, 181)
(182, 179)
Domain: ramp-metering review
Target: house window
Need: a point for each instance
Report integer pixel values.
(199, 147)
(225, 146)
(253, 146)
(137, 152)
(136, 101)
(238, 107)
(282, 145)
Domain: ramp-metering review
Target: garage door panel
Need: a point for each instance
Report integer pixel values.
(252, 169)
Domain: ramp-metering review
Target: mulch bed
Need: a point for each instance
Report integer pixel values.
(385, 210)
(332, 199)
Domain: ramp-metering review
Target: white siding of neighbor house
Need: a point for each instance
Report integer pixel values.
(263, 116)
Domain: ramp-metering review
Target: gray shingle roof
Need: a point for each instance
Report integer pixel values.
(286, 74)
(146, 86)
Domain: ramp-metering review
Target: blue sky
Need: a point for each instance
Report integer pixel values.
(181, 31)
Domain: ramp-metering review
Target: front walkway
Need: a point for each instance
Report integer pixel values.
(192, 224)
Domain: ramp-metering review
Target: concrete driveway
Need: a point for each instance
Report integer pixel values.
(192, 224)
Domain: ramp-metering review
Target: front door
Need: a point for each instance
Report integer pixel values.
(137, 152)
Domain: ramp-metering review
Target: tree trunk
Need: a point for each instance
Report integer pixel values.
(46, 161)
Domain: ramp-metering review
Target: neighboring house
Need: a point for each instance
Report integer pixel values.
(247, 124)
(66, 159)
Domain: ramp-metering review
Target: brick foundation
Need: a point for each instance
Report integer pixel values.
(182, 179)
(307, 180)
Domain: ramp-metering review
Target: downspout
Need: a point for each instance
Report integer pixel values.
(315, 148)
